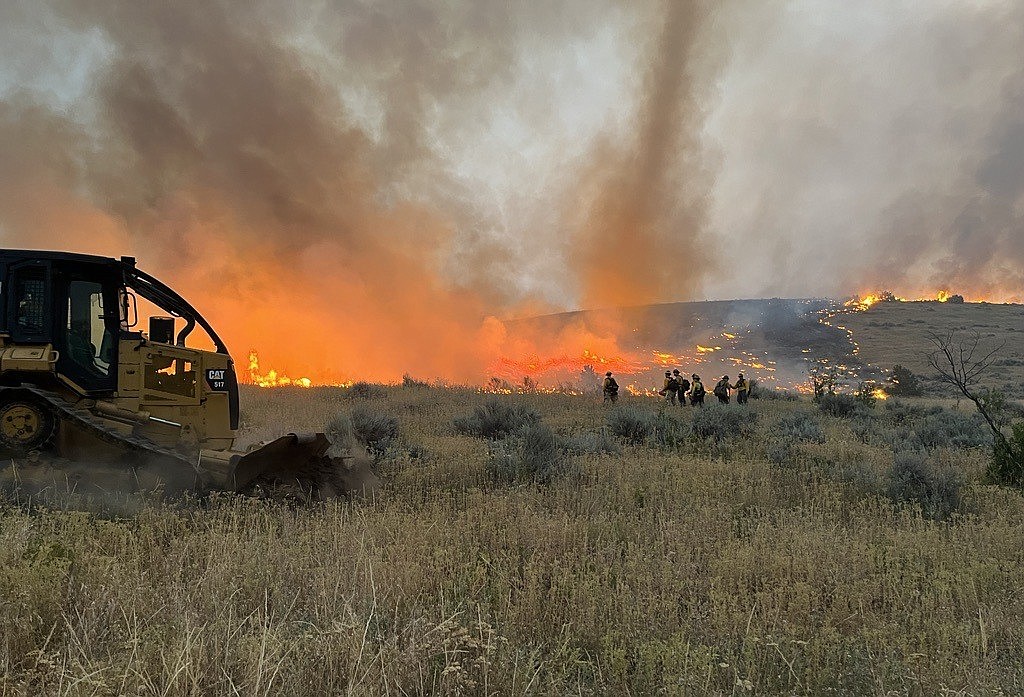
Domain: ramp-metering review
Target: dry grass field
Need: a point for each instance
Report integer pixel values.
(891, 333)
(782, 556)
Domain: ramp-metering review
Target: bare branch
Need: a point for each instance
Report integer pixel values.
(954, 360)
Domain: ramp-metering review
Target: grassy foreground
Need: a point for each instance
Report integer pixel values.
(701, 568)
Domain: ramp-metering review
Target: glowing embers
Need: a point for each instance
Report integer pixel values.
(272, 378)
(668, 360)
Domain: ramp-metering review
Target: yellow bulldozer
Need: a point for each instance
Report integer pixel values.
(88, 398)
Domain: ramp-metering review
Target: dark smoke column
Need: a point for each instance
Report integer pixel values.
(644, 199)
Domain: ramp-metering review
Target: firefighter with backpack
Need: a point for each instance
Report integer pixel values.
(670, 389)
(610, 389)
(742, 388)
(697, 391)
(722, 390)
(684, 386)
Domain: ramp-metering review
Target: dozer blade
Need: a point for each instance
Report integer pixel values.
(292, 461)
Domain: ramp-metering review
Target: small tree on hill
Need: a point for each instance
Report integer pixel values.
(590, 381)
(903, 383)
(960, 362)
(824, 380)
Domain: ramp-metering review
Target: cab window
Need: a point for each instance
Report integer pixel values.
(29, 302)
(90, 344)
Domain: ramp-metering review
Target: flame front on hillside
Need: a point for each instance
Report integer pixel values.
(272, 378)
(868, 300)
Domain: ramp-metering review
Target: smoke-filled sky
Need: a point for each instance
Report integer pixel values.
(373, 181)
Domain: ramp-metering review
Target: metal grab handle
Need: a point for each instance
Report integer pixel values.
(54, 356)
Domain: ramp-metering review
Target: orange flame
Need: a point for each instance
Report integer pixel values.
(867, 300)
(272, 378)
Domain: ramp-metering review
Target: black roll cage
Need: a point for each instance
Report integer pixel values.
(157, 292)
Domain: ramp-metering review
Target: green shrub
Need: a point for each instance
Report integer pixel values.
(773, 394)
(496, 418)
(903, 426)
(670, 431)
(859, 477)
(900, 412)
(340, 432)
(780, 451)
(840, 405)
(409, 381)
(590, 443)
(720, 421)
(1007, 464)
(866, 393)
(903, 383)
(632, 424)
(638, 426)
(799, 426)
(532, 454)
(374, 429)
(791, 429)
(914, 478)
(865, 427)
(951, 429)
(366, 390)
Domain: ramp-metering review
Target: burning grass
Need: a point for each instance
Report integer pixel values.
(680, 568)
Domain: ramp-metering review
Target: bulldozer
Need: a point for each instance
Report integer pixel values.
(88, 398)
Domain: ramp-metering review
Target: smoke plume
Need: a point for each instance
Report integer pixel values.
(640, 235)
(870, 146)
(359, 189)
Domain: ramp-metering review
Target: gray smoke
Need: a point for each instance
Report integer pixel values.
(870, 145)
(441, 161)
(292, 128)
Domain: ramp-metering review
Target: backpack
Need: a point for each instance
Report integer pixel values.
(612, 387)
(684, 385)
(721, 390)
(673, 385)
(698, 389)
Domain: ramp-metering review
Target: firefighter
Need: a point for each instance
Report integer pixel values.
(742, 388)
(611, 389)
(697, 391)
(722, 390)
(684, 386)
(670, 389)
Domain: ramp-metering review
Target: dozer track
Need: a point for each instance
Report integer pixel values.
(97, 426)
(291, 467)
(130, 455)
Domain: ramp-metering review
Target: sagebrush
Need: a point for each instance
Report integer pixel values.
(638, 568)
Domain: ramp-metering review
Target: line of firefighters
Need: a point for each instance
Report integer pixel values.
(677, 388)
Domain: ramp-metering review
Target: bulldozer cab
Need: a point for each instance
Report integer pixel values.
(87, 309)
(73, 307)
(78, 376)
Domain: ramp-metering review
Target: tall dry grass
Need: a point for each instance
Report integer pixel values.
(694, 569)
